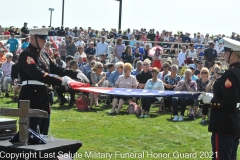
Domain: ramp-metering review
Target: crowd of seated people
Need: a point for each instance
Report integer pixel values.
(121, 59)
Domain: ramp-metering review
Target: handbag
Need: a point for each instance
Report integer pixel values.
(82, 103)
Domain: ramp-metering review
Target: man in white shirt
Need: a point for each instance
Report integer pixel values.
(80, 42)
(181, 57)
(102, 47)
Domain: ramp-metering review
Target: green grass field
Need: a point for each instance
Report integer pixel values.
(126, 136)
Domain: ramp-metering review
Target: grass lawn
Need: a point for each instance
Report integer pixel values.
(126, 135)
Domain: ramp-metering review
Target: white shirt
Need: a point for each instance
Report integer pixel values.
(77, 55)
(181, 58)
(78, 43)
(129, 36)
(192, 54)
(101, 48)
(219, 48)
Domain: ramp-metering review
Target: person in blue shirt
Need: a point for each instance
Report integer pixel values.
(13, 42)
(141, 50)
(198, 44)
(186, 38)
(26, 43)
(139, 67)
(115, 74)
(110, 70)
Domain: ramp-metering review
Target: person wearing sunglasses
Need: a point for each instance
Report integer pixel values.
(225, 122)
(37, 71)
(97, 77)
(202, 83)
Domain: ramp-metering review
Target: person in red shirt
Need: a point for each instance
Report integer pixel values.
(6, 32)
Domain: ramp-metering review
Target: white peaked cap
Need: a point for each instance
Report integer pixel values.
(39, 31)
(231, 44)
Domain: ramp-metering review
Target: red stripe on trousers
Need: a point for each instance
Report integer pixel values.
(216, 146)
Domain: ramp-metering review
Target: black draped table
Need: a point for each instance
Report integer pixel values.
(49, 151)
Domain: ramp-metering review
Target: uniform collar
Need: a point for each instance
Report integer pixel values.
(233, 65)
(33, 49)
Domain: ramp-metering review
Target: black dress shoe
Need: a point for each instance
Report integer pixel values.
(6, 95)
(62, 103)
(71, 103)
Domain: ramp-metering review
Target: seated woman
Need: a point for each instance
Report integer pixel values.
(170, 82)
(7, 69)
(124, 81)
(184, 85)
(97, 78)
(201, 87)
(152, 84)
(127, 56)
(165, 72)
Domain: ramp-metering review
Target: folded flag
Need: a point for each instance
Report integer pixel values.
(34, 138)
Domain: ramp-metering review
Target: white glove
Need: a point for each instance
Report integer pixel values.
(207, 99)
(82, 77)
(66, 80)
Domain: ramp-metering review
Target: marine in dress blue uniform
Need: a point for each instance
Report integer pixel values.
(37, 70)
(225, 115)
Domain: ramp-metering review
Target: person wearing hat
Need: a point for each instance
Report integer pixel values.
(24, 30)
(37, 70)
(210, 55)
(225, 122)
(199, 67)
(2, 56)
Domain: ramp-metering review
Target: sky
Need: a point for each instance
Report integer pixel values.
(205, 16)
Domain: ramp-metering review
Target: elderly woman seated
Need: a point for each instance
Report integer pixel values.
(184, 85)
(124, 81)
(152, 84)
(7, 69)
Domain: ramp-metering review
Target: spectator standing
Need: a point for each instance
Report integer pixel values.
(24, 30)
(118, 50)
(181, 57)
(80, 42)
(13, 42)
(210, 55)
(125, 37)
(61, 32)
(71, 48)
(102, 47)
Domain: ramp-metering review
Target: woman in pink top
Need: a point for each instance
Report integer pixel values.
(124, 81)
